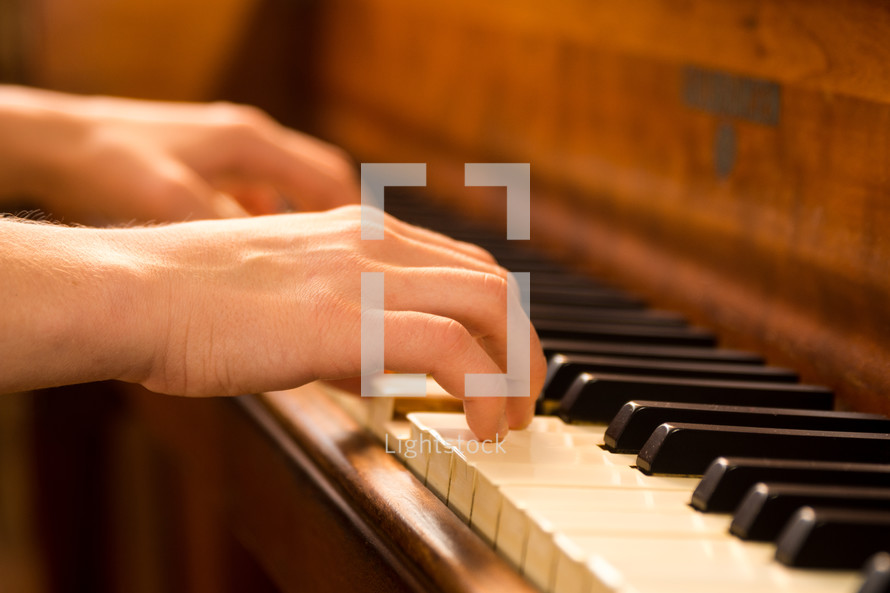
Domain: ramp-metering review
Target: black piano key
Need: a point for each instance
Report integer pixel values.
(833, 538)
(524, 264)
(636, 420)
(877, 573)
(616, 332)
(688, 449)
(597, 398)
(726, 480)
(563, 369)
(570, 294)
(766, 507)
(553, 346)
(557, 278)
(603, 298)
(644, 317)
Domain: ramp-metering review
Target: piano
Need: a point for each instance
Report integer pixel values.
(709, 199)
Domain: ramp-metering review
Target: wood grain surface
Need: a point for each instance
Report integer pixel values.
(769, 231)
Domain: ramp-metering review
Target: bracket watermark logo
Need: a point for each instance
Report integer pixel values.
(516, 382)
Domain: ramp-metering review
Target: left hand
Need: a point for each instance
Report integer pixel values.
(122, 160)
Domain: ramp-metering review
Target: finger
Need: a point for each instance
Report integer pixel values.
(412, 250)
(482, 412)
(256, 198)
(153, 187)
(225, 206)
(183, 195)
(329, 176)
(415, 244)
(521, 410)
(420, 343)
(477, 300)
(423, 235)
(311, 174)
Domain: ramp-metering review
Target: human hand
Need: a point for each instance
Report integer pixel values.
(268, 303)
(110, 160)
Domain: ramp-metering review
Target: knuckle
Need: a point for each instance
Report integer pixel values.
(241, 118)
(480, 253)
(342, 162)
(450, 337)
(494, 288)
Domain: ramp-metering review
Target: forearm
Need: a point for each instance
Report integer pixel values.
(71, 307)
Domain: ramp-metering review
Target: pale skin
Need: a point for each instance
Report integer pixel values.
(234, 305)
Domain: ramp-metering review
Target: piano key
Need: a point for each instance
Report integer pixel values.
(597, 398)
(616, 332)
(766, 508)
(475, 486)
(548, 452)
(553, 277)
(563, 369)
(554, 346)
(490, 483)
(524, 264)
(681, 564)
(540, 552)
(636, 420)
(642, 553)
(833, 538)
(523, 447)
(877, 574)
(547, 441)
(508, 501)
(588, 297)
(541, 549)
(644, 317)
(727, 480)
(517, 501)
(688, 449)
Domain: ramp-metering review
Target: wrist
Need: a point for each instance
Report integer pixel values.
(75, 303)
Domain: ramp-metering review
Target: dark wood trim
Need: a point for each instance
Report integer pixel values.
(389, 504)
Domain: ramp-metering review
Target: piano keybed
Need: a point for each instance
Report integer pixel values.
(573, 516)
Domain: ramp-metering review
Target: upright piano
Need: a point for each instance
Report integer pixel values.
(722, 169)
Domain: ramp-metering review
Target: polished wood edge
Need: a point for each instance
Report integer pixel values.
(380, 491)
(269, 423)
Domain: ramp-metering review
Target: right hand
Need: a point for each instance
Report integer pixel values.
(267, 303)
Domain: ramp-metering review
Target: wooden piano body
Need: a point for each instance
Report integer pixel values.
(727, 160)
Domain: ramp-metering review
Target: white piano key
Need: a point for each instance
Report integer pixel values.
(416, 450)
(477, 482)
(573, 517)
(451, 444)
(398, 440)
(664, 564)
(548, 442)
(577, 571)
(540, 552)
(517, 502)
